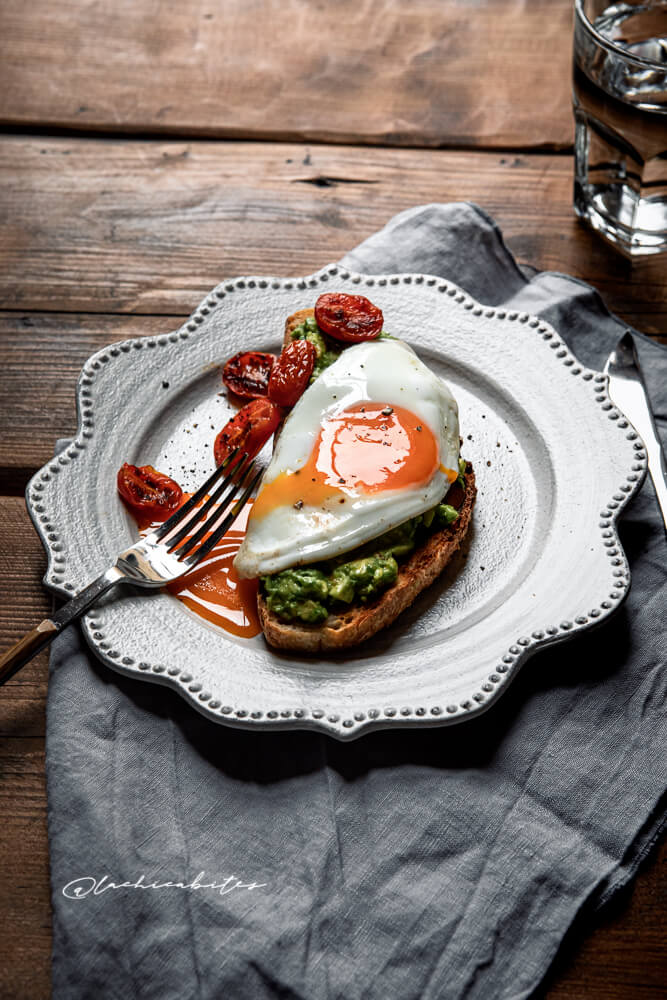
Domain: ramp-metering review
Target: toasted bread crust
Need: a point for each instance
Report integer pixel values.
(296, 319)
(350, 627)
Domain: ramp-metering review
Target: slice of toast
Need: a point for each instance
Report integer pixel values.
(353, 625)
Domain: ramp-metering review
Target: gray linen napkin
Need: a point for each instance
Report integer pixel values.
(443, 863)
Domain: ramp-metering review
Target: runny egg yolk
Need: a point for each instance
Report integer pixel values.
(365, 449)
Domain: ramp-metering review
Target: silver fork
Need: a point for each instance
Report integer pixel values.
(159, 557)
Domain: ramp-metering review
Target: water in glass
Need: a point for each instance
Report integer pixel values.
(620, 109)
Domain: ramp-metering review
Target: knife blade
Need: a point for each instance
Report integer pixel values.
(628, 392)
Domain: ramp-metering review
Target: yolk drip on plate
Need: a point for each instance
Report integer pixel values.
(214, 591)
(365, 449)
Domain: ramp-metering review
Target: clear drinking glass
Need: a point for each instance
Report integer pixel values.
(620, 111)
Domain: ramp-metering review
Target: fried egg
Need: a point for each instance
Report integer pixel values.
(371, 443)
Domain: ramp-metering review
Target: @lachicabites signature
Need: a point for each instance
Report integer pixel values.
(87, 885)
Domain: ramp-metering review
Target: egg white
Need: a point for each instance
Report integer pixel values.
(385, 371)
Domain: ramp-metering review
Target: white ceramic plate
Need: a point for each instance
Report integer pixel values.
(555, 464)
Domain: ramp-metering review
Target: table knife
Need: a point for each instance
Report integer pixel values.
(628, 392)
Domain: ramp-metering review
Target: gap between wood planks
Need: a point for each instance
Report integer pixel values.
(37, 130)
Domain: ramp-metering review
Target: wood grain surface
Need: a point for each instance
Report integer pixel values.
(493, 73)
(53, 348)
(151, 227)
(25, 911)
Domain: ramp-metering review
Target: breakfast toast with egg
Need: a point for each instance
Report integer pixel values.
(351, 626)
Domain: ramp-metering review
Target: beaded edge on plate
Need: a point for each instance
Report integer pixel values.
(359, 721)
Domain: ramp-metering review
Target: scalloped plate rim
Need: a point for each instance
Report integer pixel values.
(316, 723)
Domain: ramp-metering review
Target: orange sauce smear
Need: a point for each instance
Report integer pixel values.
(213, 589)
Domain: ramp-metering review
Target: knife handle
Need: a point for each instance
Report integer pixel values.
(27, 647)
(657, 468)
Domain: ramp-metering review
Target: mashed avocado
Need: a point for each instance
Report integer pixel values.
(328, 349)
(298, 593)
(306, 594)
(309, 593)
(361, 579)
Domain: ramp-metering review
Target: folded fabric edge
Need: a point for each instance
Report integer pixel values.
(529, 275)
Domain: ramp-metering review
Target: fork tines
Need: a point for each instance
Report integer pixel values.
(226, 474)
(249, 480)
(236, 475)
(222, 496)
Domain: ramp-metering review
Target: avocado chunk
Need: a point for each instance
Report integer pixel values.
(461, 478)
(297, 594)
(445, 514)
(399, 541)
(362, 579)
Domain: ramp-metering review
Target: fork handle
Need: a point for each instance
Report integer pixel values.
(34, 641)
(26, 648)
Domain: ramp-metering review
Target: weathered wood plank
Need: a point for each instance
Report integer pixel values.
(25, 944)
(492, 74)
(41, 355)
(620, 957)
(150, 227)
(24, 887)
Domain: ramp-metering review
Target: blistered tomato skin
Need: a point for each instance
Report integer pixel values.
(291, 372)
(247, 373)
(248, 430)
(147, 492)
(350, 318)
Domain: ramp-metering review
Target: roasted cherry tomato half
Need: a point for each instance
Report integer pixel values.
(248, 430)
(148, 492)
(247, 373)
(348, 317)
(292, 372)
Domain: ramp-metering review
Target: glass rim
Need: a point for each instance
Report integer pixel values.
(608, 44)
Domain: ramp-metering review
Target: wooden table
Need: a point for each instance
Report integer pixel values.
(148, 149)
